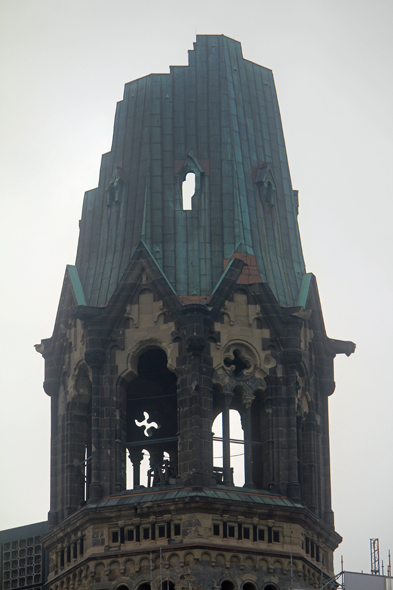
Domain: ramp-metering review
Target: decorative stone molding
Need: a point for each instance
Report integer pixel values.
(128, 360)
(132, 314)
(241, 361)
(247, 398)
(228, 383)
(195, 345)
(95, 357)
(51, 386)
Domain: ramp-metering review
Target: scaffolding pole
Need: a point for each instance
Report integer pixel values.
(374, 553)
(333, 579)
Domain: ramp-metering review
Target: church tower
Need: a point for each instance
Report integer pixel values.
(184, 313)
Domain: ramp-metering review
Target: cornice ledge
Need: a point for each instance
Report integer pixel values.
(86, 312)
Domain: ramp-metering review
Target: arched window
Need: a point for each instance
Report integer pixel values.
(168, 585)
(236, 446)
(190, 182)
(151, 415)
(227, 585)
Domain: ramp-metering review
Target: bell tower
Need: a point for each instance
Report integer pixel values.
(182, 311)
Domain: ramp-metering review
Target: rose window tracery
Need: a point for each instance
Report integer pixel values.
(236, 364)
(239, 361)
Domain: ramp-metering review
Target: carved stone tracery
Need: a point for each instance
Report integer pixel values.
(241, 361)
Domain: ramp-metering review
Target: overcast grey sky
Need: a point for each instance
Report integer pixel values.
(63, 67)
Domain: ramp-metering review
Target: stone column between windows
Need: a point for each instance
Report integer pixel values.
(194, 398)
(247, 400)
(95, 359)
(290, 359)
(226, 445)
(136, 458)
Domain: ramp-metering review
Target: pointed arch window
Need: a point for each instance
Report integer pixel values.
(188, 191)
(190, 182)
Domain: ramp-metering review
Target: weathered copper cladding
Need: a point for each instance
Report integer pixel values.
(173, 316)
(219, 119)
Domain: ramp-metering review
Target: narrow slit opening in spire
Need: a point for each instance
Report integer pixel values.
(188, 191)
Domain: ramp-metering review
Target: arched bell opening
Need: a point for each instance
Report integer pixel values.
(228, 437)
(167, 585)
(151, 420)
(237, 440)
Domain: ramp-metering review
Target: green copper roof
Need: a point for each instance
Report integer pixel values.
(76, 284)
(219, 118)
(170, 495)
(304, 288)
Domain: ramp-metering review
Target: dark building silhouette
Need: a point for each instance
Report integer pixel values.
(176, 314)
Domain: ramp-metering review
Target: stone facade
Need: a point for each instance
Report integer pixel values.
(155, 338)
